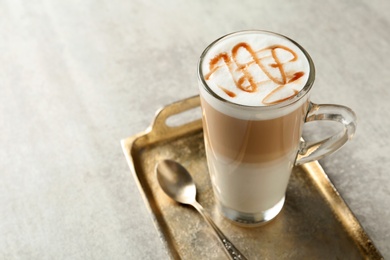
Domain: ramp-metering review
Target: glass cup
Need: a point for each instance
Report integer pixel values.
(251, 150)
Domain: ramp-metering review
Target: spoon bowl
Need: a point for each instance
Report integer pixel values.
(178, 184)
(176, 181)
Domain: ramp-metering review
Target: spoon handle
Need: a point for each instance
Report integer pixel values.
(228, 246)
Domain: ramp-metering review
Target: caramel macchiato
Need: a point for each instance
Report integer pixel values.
(254, 89)
(251, 147)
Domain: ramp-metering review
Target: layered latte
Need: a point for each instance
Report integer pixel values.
(253, 112)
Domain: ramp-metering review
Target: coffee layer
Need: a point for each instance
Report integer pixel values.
(252, 141)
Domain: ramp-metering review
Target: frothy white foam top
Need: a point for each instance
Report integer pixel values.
(255, 69)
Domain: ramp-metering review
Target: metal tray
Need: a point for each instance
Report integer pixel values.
(315, 222)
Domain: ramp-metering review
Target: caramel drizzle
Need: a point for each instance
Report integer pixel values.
(228, 92)
(247, 82)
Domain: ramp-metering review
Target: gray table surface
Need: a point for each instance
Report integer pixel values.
(78, 76)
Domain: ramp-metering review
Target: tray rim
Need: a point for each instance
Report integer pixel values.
(329, 192)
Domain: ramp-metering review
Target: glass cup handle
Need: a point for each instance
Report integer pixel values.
(311, 151)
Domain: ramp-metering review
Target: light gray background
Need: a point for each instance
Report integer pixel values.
(78, 76)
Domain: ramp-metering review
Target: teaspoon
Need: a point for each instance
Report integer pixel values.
(177, 183)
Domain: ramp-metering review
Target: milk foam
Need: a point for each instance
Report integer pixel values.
(255, 69)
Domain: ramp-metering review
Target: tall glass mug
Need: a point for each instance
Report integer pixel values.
(254, 90)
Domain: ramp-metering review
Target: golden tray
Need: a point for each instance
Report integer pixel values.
(315, 222)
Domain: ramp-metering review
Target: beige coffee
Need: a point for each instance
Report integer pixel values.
(253, 111)
(253, 141)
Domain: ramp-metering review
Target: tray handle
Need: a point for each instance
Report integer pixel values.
(161, 127)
